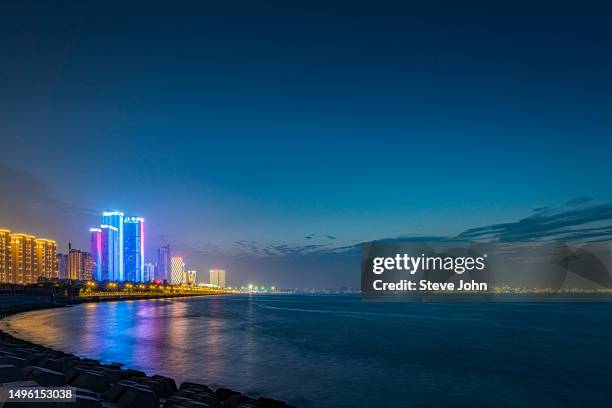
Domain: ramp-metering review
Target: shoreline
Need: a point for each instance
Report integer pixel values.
(27, 364)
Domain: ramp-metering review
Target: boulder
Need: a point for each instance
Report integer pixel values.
(92, 381)
(43, 376)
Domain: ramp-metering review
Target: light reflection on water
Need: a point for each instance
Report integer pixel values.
(336, 351)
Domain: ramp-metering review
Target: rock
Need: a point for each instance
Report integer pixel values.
(16, 361)
(135, 373)
(160, 388)
(187, 385)
(131, 394)
(51, 364)
(92, 381)
(43, 376)
(137, 397)
(170, 383)
(9, 373)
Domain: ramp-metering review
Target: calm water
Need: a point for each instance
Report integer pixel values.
(337, 351)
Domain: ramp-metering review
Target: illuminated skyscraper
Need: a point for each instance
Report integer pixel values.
(162, 271)
(95, 249)
(177, 270)
(217, 277)
(46, 259)
(23, 259)
(110, 267)
(115, 219)
(6, 273)
(133, 249)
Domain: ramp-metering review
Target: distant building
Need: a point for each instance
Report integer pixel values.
(149, 272)
(163, 269)
(95, 249)
(133, 249)
(177, 270)
(6, 273)
(217, 277)
(191, 277)
(62, 262)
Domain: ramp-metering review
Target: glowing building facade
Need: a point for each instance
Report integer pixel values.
(109, 254)
(6, 273)
(23, 253)
(115, 219)
(217, 277)
(177, 272)
(133, 249)
(24, 258)
(46, 259)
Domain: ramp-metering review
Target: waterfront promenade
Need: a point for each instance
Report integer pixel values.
(25, 364)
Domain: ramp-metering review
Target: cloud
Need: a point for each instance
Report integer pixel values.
(577, 219)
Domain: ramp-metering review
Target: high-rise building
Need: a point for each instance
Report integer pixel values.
(23, 259)
(46, 259)
(109, 258)
(163, 269)
(133, 249)
(80, 265)
(191, 277)
(95, 249)
(6, 273)
(177, 270)
(149, 272)
(115, 219)
(62, 262)
(217, 277)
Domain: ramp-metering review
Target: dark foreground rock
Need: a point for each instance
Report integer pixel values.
(108, 385)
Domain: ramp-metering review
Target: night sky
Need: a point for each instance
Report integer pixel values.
(263, 137)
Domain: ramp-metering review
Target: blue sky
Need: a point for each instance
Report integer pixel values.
(275, 123)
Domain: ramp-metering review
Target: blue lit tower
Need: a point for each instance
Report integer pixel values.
(115, 219)
(133, 249)
(110, 249)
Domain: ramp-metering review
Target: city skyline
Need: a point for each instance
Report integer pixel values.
(273, 142)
